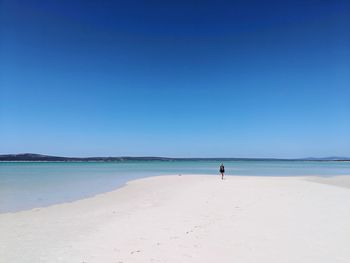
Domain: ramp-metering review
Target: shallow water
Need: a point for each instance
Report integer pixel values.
(26, 185)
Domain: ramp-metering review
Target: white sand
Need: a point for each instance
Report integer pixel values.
(188, 219)
(340, 180)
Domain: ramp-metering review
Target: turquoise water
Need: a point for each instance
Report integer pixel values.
(25, 185)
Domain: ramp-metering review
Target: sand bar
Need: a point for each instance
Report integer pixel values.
(195, 218)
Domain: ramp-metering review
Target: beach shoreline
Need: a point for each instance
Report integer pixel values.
(190, 218)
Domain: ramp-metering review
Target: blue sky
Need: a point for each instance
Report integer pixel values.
(175, 78)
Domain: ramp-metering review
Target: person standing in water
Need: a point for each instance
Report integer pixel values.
(222, 171)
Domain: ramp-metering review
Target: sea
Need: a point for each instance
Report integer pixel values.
(28, 185)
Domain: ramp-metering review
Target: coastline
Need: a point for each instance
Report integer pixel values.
(191, 218)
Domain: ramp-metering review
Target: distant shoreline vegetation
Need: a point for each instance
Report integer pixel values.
(31, 157)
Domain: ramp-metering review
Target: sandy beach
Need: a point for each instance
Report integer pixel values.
(190, 218)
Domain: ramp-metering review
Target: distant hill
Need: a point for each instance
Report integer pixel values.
(331, 158)
(39, 157)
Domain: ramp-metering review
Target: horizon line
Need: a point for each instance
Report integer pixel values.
(36, 155)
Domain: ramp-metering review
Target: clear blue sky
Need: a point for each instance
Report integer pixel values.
(175, 78)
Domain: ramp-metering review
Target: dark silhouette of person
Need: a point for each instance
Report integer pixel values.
(222, 171)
